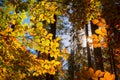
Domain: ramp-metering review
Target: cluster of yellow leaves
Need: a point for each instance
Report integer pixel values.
(45, 66)
(92, 9)
(44, 11)
(100, 38)
(102, 75)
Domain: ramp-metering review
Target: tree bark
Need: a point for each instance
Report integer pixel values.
(88, 49)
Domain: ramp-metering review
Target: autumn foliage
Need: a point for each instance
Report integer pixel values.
(100, 36)
(15, 60)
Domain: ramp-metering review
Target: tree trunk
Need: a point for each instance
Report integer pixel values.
(97, 52)
(71, 66)
(88, 49)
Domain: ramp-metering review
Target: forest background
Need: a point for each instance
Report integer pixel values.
(97, 20)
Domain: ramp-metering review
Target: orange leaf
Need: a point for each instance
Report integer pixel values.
(91, 71)
(100, 37)
(95, 21)
(100, 24)
(94, 36)
(105, 45)
(113, 76)
(95, 40)
(99, 45)
(103, 20)
(102, 78)
(104, 30)
(97, 73)
(107, 76)
(118, 65)
(95, 45)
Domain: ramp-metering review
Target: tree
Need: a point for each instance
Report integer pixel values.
(16, 60)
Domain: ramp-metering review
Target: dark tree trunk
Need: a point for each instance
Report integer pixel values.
(97, 52)
(88, 49)
(113, 43)
(71, 65)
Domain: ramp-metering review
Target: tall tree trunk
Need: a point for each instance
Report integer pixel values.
(71, 66)
(114, 43)
(88, 49)
(53, 31)
(97, 52)
(71, 63)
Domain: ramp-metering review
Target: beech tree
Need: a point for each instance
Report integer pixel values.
(16, 62)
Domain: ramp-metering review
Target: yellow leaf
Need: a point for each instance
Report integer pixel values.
(45, 33)
(41, 17)
(58, 38)
(13, 21)
(56, 44)
(4, 69)
(98, 31)
(46, 66)
(100, 37)
(39, 24)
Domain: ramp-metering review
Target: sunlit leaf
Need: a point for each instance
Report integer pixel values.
(98, 31)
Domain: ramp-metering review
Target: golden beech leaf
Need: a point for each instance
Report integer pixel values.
(58, 38)
(4, 69)
(104, 30)
(98, 31)
(100, 37)
(95, 21)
